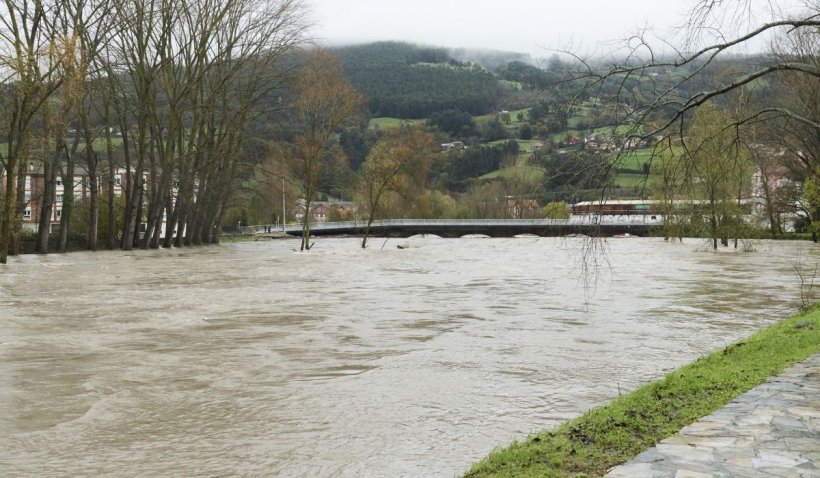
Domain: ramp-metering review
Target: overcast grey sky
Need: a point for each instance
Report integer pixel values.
(528, 26)
(512, 25)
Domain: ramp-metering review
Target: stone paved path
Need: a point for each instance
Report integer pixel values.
(772, 430)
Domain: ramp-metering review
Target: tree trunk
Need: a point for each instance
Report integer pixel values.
(370, 218)
(171, 214)
(46, 211)
(112, 206)
(306, 227)
(92, 160)
(10, 207)
(133, 211)
(111, 216)
(68, 193)
(714, 234)
(93, 208)
(8, 214)
(20, 204)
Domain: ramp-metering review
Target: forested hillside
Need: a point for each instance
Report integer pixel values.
(407, 81)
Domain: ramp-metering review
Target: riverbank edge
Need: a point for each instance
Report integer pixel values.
(612, 434)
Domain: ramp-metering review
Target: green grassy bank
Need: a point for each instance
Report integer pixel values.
(604, 437)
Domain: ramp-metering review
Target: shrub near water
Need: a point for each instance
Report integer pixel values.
(607, 436)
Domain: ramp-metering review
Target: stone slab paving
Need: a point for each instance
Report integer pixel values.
(772, 430)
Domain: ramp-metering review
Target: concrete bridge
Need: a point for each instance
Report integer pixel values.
(589, 225)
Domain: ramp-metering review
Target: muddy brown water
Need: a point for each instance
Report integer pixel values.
(254, 360)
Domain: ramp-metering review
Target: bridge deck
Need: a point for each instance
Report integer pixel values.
(635, 225)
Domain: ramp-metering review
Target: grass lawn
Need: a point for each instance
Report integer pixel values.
(634, 160)
(612, 434)
(525, 145)
(627, 180)
(513, 117)
(527, 173)
(522, 168)
(605, 130)
(385, 122)
(584, 114)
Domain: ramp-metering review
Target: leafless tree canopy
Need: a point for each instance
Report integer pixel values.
(178, 81)
(673, 77)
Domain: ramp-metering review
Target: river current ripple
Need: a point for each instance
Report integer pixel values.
(252, 359)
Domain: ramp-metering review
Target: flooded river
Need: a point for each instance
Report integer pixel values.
(254, 360)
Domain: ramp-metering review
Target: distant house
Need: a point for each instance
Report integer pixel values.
(572, 140)
(634, 143)
(35, 185)
(320, 212)
(35, 188)
(523, 208)
(774, 183)
(323, 211)
(453, 145)
(599, 142)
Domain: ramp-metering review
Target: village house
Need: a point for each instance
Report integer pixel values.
(524, 208)
(324, 211)
(635, 143)
(35, 184)
(773, 186)
(571, 141)
(599, 142)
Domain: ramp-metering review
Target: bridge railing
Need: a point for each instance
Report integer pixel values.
(575, 220)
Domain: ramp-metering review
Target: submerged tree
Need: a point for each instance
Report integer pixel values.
(325, 102)
(721, 169)
(30, 75)
(389, 168)
(180, 82)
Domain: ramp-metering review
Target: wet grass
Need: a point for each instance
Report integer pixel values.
(612, 434)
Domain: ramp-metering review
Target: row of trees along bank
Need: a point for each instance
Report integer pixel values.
(177, 81)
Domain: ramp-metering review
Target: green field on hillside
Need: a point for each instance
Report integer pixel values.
(635, 160)
(627, 180)
(605, 130)
(513, 117)
(526, 173)
(525, 145)
(385, 122)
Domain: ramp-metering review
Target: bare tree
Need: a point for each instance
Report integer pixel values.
(721, 166)
(673, 80)
(659, 85)
(185, 80)
(30, 76)
(47, 197)
(388, 168)
(71, 94)
(324, 103)
(182, 81)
